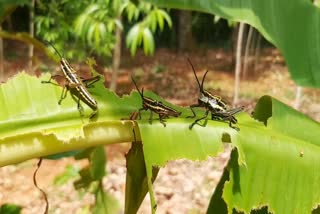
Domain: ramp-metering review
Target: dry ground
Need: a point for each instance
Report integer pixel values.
(182, 186)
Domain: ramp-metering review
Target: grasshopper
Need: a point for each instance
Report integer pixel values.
(213, 104)
(76, 85)
(155, 106)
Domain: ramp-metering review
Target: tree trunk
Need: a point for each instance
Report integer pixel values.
(185, 39)
(298, 100)
(247, 52)
(31, 32)
(238, 64)
(1, 58)
(257, 52)
(116, 59)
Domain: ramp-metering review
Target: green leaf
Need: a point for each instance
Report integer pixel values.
(177, 141)
(280, 116)
(148, 42)
(69, 173)
(152, 20)
(166, 16)
(97, 34)
(132, 11)
(95, 26)
(10, 209)
(98, 163)
(136, 179)
(160, 19)
(133, 37)
(39, 126)
(105, 203)
(281, 158)
(79, 24)
(282, 22)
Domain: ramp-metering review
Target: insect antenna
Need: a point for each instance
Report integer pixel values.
(134, 82)
(49, 43)
(204, 77)
(194, 72)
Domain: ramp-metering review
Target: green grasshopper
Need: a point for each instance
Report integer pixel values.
(155, 106)
(76, 85)
(213, 104)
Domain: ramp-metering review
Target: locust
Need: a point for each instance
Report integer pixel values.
(155, 106)
(214, 104)
(76, 85)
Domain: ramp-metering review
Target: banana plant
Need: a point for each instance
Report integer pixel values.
(275, 153)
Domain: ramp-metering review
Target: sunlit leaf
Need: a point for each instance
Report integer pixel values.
(281, 158)
(69, 173)
(105, 203)
(133, 37)
(166, 16)
(148, 42)
(160, 19)
(152, 18)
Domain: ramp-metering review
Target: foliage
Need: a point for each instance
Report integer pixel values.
(96, 25)
(266, 154)
(141, 33)
(54, 23)
(10, 209)
(300, 20)
(93, 24)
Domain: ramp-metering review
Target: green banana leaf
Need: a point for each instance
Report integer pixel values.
(281, 171)
(32, 124)
(273, 165)
(291, 25)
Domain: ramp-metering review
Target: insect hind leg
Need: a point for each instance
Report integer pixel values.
(63, 94)
(50, 80)
(80, 108)
(226, 116)
(199, 119)
(89, 82)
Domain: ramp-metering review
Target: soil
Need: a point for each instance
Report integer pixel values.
(182, 186)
